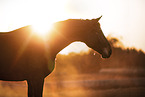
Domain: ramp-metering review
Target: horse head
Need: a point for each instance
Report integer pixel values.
(95, 39)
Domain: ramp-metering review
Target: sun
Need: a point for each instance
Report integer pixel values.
(42, 29)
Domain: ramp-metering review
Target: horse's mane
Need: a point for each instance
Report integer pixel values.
(79, 23)
(74, 21)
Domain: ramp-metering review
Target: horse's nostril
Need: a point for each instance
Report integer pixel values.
(106, 52)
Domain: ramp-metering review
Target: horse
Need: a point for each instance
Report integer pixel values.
(25, 56)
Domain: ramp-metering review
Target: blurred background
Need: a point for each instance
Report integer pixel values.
(78, 71)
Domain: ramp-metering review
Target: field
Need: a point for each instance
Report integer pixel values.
(88, 75)
(105, 83)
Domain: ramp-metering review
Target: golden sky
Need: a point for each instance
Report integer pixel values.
(121, 18)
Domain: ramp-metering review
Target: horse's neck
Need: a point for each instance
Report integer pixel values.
(57, 43)
(64, 34)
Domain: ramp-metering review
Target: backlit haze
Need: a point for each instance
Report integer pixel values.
(123, 19)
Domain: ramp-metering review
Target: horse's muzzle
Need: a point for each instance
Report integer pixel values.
(106, 53)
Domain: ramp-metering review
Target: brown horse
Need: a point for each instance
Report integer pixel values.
(25, 56)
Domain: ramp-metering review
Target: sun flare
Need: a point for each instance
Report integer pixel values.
(42, 29)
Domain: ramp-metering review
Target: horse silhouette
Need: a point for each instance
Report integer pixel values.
(25, 56)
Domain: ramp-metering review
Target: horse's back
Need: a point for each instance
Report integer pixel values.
(21, 55)
(11, 41)
(10, 44)
(18, 35)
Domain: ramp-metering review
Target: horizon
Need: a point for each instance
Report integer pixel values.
(123, 19)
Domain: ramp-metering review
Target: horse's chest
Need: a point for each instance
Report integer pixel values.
(24, 60)
(27, 66)
(36, 64)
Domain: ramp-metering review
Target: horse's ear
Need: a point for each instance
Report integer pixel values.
(99, 18)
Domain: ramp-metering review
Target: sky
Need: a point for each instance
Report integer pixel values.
(123, 19)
